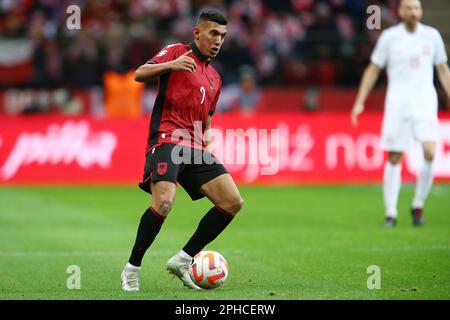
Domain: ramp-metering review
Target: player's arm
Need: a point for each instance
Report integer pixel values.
(368, 81)
(444, 77)
(150, 71)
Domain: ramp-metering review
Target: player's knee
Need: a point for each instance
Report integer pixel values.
(394, 161)
(235, 205)
(429, 156)
(164, 207)
(239, 204)
(395, 158)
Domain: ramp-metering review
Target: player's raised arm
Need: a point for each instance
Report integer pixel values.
(443, 72)
(150, 71)
(368, 80)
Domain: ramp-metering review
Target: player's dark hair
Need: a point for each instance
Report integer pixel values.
(212, 15)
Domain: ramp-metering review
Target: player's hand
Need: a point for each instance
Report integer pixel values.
(184, 63)
(357, 109)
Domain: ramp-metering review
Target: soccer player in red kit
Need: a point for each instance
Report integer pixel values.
(188, 90)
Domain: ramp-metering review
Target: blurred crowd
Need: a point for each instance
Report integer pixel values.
(281, 43)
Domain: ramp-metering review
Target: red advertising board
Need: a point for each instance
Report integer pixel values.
(260, 148)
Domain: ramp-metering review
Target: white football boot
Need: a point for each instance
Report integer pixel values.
(179, 266)
(130, 278)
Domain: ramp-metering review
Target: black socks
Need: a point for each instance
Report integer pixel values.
(149, 227)
(211, 225)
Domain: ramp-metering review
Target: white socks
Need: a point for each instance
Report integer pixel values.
(423, 185)
(392, 180)
(130, 266)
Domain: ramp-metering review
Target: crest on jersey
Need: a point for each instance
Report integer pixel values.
(162, 168)
(426, 50)
(161, 53)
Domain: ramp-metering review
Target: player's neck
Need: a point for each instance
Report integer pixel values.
(200, 55)
(411, 28)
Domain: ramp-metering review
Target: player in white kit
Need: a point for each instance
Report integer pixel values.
(409, 51)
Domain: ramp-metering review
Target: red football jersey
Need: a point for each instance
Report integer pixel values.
(184, 100)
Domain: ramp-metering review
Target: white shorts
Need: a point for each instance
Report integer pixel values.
(397, 134)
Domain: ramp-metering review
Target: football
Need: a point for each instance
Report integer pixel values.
(209, 270)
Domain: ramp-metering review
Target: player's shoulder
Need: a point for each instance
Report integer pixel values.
(389, 34)
(177, 45)
(392, 31)
(174, 47)
(429, 30)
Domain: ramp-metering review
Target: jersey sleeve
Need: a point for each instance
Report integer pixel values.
(440, 56)
(380, 53)
(166, 54)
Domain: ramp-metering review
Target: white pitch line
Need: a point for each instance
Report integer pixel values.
(60, 254)
(368, 249)
(93, 253)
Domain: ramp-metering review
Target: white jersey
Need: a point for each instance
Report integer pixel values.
(410, 59)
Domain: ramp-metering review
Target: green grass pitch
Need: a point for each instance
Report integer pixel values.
(289, 242)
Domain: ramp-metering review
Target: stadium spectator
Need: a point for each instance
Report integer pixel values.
(242, 96)
(274, 37)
